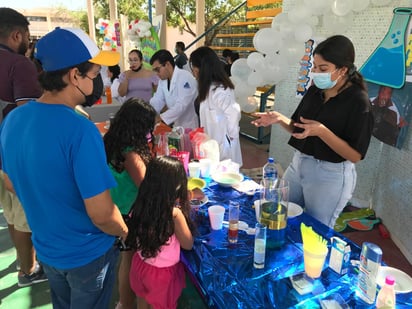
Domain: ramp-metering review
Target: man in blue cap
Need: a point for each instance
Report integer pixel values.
(57, 166)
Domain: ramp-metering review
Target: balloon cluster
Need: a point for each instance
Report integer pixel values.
(139, 29)
(283, 43)
(111, 32)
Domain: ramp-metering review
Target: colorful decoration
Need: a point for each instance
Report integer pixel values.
(139, 29)
(144, 37)
(111, 31)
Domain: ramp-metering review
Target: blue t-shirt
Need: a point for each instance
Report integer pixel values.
(55, 159)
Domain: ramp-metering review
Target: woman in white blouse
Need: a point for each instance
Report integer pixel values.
(218, 111)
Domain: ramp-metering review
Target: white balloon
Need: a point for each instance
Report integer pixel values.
(242, 101)
(317, 7)
(359, 6)
(250, 105)
(303, 32)
(342, 7)
(298, 14)
(278, 20)
(287, 30)
(268, 40)
(337, 24)
(255, 60)
(380, 2)
(235, 80)
(255, 79)
(276, 67)
(294, 51)
(243, 89)
(240, 69)
(255, 38)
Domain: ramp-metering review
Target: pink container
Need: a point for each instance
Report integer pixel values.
(184, 157)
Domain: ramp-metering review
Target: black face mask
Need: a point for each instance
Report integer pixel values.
(137, 70)
(97, 91)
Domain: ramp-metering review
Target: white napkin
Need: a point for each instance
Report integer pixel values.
(248, 186)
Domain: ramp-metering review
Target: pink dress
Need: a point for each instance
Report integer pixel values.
(140, 87)
(159, 280)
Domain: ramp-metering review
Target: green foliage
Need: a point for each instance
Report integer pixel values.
(136, 9)
(179, 13)
(182, 14)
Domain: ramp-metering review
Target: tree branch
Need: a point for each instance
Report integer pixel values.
(188, 29)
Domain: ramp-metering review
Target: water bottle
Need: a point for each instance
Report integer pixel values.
(370, 260)
(270, 171)
(386, 297)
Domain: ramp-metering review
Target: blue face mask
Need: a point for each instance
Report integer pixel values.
(324, 80)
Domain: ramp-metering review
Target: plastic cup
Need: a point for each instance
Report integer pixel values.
(194, 169)
(216, 214)
(314, 262)
(205, 166)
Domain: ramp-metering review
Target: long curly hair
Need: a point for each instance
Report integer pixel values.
(128, 132)
(163, 188)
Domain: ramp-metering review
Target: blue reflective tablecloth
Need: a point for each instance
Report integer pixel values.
(226, 278)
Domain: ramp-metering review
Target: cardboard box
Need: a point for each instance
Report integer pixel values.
(339, 256)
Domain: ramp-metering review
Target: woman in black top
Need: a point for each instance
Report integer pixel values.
(330, 130)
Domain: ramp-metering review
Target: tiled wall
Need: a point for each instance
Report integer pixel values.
(385, 175)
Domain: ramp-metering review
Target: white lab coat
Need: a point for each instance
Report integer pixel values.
(115, 91)
(220, 116)
(179, 99)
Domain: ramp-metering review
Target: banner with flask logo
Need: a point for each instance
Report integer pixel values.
(388, 71)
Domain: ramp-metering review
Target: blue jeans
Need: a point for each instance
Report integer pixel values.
(321, 187)
(89, 286)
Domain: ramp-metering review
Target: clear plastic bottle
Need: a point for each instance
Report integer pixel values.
(269, 170)
(369, 262)
(386, 297)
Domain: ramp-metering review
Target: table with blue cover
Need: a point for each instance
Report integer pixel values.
(224, 272)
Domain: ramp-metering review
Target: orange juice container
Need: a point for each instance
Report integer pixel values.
(108, 92)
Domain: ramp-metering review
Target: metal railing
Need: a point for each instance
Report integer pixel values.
(217, 24)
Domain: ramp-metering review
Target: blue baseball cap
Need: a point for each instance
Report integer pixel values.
(67, 47)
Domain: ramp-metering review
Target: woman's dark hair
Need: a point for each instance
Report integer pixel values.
(128, 132)
(211, 71)
(53, 81)
(163, 188)
(339, 50)
(115, 70)
(138, 52)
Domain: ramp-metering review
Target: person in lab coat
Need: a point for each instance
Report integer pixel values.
(176, 92)
(218, 110)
